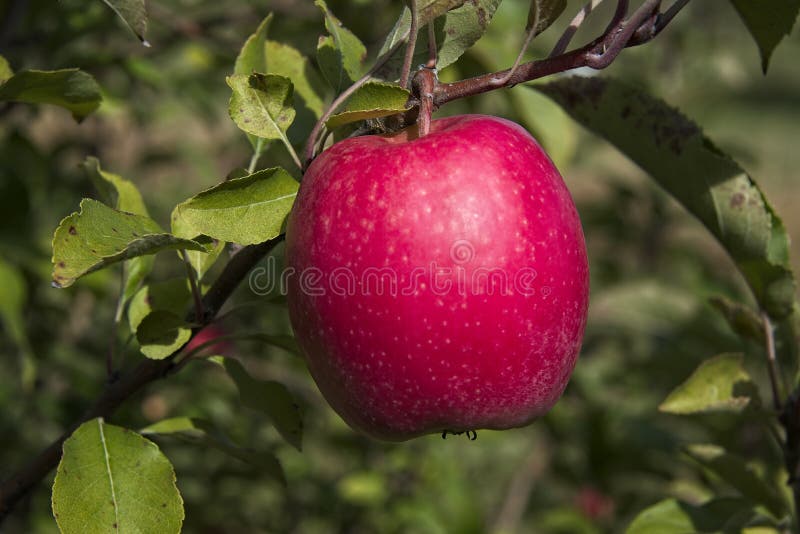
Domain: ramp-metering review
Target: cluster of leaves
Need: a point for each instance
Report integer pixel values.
(250, 206)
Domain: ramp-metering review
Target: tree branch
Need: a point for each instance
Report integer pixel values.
(642, 26)
(115, 393)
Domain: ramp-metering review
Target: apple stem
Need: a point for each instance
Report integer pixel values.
(424, 82)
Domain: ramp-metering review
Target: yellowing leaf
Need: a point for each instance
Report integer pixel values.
(715, 386)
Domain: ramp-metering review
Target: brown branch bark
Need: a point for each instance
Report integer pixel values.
(118, 391)
(640, 27)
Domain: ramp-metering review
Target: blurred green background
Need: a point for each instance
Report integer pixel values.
(598, 458)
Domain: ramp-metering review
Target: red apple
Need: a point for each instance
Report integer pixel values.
(437, 283)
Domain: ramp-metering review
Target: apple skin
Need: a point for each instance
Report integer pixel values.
(477, 192)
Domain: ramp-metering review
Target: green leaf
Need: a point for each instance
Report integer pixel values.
(340, 56)
(200, 262)
(674, 517)
(456, 32)
(370, 101)
(185, 425)
(171, 296)
(206, 433)
(72, 89)
(111, 479)
(713, 187)
(742, 319)
(271, 398)
(117, 192)
(735, 471)
(768, 22)
(13, 296)
(5, 70)
(261, 105)
(161, 334)
(286, 61)
(543, 13)
(123, 195)
(99, 236)
(252, 56)
(133, 13)
(427, 10)
(252, 59)
(136, 270)
(243, 210)
(719, 384)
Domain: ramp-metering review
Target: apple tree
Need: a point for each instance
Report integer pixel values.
(184, 174)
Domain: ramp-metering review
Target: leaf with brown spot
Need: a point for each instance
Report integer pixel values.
(711, 185)
(97, 244)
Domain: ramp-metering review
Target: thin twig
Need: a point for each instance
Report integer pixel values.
(572, 29)
(670, 13)
(621, 34)
(532, 32)
(308, 154)
(772, 363)
(114, 394)
(525, 44)
(431, 64)
(412, 43)
(598, 54)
